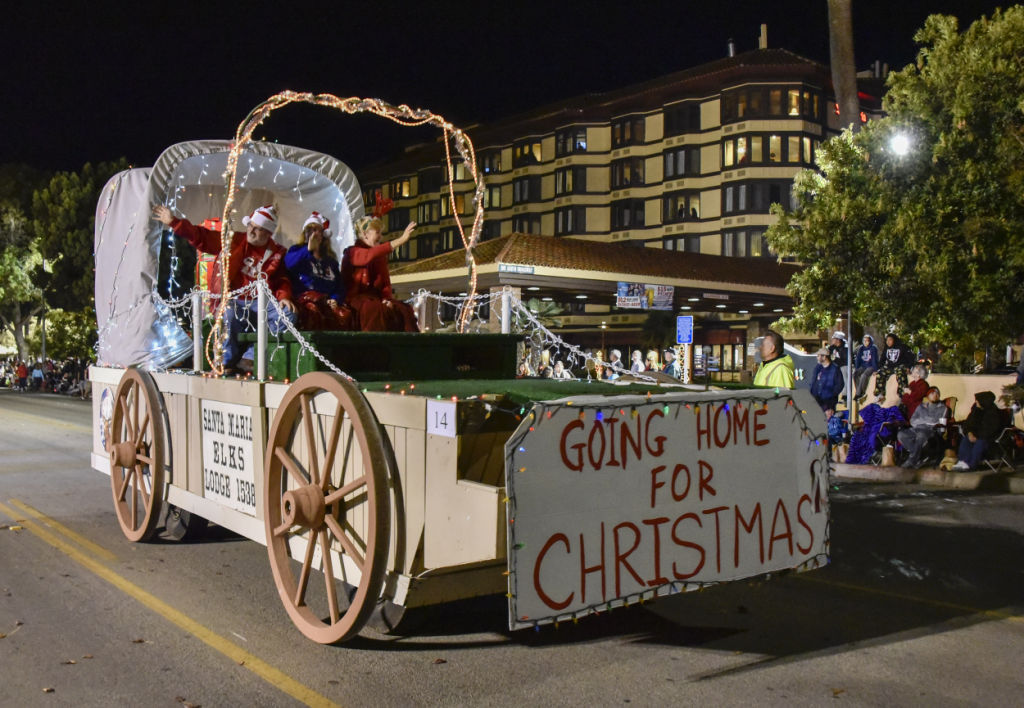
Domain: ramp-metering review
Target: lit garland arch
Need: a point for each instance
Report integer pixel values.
(404, 116)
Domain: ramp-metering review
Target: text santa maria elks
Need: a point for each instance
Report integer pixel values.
(228, 463)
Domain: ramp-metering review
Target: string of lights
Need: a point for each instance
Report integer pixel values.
(402, 115)
(526, 322)
(755, 399)
(470, 310)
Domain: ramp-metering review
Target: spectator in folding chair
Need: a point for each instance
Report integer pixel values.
(885, 414)
(982, 425)
(926, 425)
(916, 390)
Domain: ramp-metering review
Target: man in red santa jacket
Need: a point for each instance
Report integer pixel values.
(253, 251)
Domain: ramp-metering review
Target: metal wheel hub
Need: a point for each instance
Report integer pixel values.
(304, 507)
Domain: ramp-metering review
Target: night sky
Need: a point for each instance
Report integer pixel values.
(92, 83)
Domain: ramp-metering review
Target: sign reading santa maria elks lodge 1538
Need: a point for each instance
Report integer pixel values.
(229, 471)
(613, 502)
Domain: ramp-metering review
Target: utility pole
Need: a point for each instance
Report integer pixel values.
(844, 69)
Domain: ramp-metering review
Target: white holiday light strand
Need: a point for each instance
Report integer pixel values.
(548, 339)
(402, 115)
(124, 251)
(531, 326)
(304, 343)
(106, 208)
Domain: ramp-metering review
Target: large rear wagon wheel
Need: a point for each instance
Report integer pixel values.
(327, 506)
(137, 455)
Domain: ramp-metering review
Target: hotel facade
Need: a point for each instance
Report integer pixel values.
(685, 166)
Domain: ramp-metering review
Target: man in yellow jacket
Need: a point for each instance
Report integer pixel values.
(776, 366)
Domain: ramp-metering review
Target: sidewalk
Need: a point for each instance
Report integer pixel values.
(1001, 482)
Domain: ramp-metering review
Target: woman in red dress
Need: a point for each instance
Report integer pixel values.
(364, 271)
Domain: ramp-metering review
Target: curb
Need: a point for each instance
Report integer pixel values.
(1002, 482)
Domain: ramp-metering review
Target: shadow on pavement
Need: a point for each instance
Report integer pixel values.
(900, 564)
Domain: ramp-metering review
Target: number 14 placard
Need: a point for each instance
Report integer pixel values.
(441, 418)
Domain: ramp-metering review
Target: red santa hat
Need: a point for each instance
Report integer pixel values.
(318, 218)
(265, 217)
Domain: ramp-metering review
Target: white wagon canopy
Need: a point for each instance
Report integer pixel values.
(138, 262)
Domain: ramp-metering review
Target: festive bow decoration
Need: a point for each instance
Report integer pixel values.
(383, 206)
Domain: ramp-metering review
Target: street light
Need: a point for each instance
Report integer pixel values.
(899, 143)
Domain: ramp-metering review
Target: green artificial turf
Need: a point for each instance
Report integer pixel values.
(518, 391)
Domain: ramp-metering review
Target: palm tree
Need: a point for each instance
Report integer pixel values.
(658, 330)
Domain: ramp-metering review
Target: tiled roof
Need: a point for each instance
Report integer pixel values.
(581, 255)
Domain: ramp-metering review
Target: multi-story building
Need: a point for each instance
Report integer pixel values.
(689, 162)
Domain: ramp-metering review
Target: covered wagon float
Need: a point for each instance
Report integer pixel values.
(398, 470)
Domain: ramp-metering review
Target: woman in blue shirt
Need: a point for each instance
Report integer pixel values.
(316, 279)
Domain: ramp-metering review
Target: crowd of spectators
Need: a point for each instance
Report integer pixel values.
(550, 366)
(69, 376)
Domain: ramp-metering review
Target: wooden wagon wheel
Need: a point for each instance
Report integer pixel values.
(137, 455)
(327, 506)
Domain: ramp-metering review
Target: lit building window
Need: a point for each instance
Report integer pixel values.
(570, 140)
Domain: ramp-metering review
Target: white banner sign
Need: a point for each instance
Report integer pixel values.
(617, 500)
(229, 470)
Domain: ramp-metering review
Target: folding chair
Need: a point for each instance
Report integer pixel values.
(887, 437)
(1008, 446)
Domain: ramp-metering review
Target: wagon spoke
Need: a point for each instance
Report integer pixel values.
(307, 422)
(332, 590)
(144, 458)
(125, 481)
(348, 452)
(142, 485)
(345, 541)
(332, 445)
(355, 501)
(126, 417)
(281, 530)
(342, 492)
(141, 432)
(307, 564)
(135, 499)
(292, 465)
(135, 407)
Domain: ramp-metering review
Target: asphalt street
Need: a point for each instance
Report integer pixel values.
(923, 604)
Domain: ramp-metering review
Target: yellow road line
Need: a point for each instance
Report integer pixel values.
(268, 673)
(995, 614)
(48, 421)
(61, 528)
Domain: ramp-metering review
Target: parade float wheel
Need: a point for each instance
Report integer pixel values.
(327, 506)
(137, 455)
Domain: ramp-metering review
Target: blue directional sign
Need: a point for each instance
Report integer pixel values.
(684, 329)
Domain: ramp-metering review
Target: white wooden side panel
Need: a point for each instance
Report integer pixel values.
(461, 517)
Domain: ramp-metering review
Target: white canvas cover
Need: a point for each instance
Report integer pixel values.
(134, 327)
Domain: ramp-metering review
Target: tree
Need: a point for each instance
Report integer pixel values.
(68, 334)
(658, 329)
(20, 298)
(18, 182)
(63, 220)
(931, 240)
